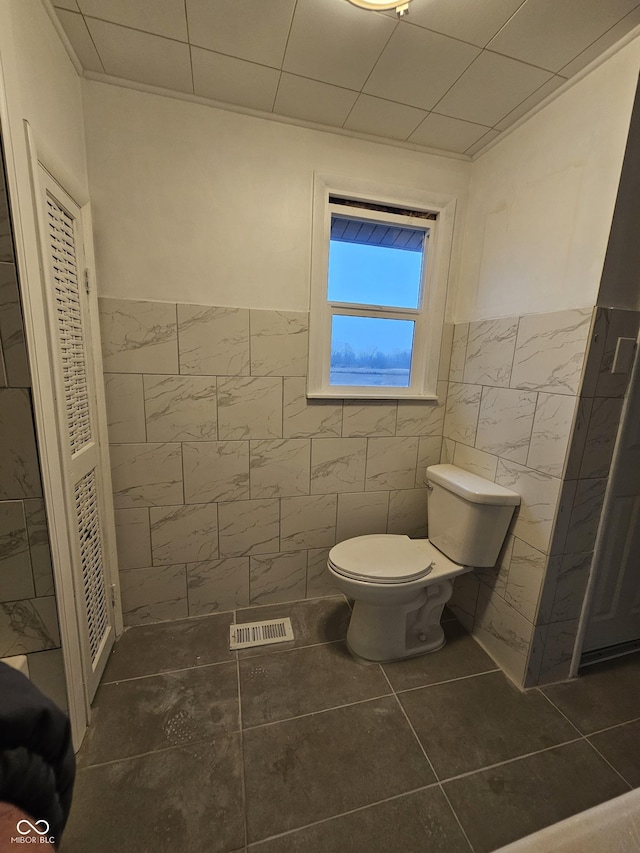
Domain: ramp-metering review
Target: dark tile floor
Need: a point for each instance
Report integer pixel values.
(298, 748)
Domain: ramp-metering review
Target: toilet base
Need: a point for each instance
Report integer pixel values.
(393, 632)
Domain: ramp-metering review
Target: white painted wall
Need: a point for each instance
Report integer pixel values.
(541, 201)
(620, 285)
(197, 204)
(38, 83)
(41, 86)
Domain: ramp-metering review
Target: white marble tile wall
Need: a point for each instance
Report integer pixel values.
(490, 349)
(552, 652)
(218, 585)
(28, 625)
(39, 550)
(601, 437)
(461, 412)
(550, 350)
(139, 337)
(124, 397)
(308, 522)
(496, 577)
(504, 632)
(473, 460)
(13, 349)
(539, 494)
(545, 427)
(229, 485)
(279, 343)
(361, 420)
(408, 512)
(505, 423)
(458, 352)
(154, 594)
(429, 453)
(361, 514)
(278, 577)
(19, 464)
(180, 408)
(28, 617)
(609, 325)
(578, 517)
(16, 576)
(283, 478)
(214, 341)
(464, 599)
(319, 581)
(183, 534)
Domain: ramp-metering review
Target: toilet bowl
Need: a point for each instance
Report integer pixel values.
(400, 585)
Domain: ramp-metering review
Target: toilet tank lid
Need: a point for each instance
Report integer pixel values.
(470, 486)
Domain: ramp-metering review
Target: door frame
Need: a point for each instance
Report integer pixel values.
(89, 459)
(32, 281)
(597, 565)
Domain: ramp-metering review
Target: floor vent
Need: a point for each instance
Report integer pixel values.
(260, 633)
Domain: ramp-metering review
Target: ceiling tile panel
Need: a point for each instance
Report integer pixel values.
(67, 4)
(451, 134)
(255, 30)
(383, 118)
(603, 43)
(492, 87)
(417, 66)
(550, 34)
(530, 102)
(313, 101)
(468, 20)
(78, 34)
(489, 136)
(439, 77)
(335, 42)
(142, 57)
(162, 17)
(225, 78)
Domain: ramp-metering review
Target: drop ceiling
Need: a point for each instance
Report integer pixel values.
(452, 75)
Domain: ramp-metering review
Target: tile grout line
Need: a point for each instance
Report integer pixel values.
(428, 760)
(255, 844)
(319, 711)
(455, 814)
(243, 783)
(437, 783)
(511, 760)
(614, 726)
(185, 745)
(360, 701)
(606, 760)
(166, 672)
(555, 707)
(446, 681)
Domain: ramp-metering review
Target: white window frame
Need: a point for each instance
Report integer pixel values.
(429, 316)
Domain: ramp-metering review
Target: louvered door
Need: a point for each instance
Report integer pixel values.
(76, 398)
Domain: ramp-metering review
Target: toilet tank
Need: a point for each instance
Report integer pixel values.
(468, 516)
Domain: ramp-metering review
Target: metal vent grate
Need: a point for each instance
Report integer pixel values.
(260, 633)
(69, 319)
(90, 535)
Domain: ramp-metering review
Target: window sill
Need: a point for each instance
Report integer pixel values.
(363, 395)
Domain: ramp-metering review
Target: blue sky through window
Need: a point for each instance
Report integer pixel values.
(374, 275)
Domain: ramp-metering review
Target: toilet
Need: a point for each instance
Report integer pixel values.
(400, 585)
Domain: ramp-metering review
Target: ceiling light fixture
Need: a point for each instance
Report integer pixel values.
(401, 6)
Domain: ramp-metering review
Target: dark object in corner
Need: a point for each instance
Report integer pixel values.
(37, 764)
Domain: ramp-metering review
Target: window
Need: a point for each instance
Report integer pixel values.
(379, 272)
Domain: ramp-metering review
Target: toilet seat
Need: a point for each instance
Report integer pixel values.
(384, 558)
